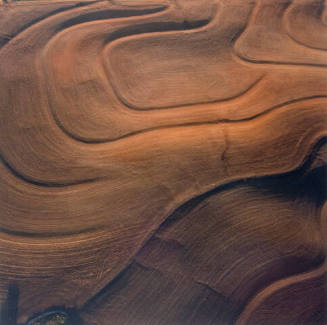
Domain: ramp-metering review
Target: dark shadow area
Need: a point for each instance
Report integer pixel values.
(9, 308)
(56, 316)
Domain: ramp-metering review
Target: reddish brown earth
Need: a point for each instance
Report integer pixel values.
(164, 162)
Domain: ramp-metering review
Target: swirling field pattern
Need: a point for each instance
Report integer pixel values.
(163, 162)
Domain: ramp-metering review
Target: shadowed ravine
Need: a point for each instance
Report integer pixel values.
(163, 162)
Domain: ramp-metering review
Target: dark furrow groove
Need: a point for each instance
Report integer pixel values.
(10, 37)
(219, 121)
